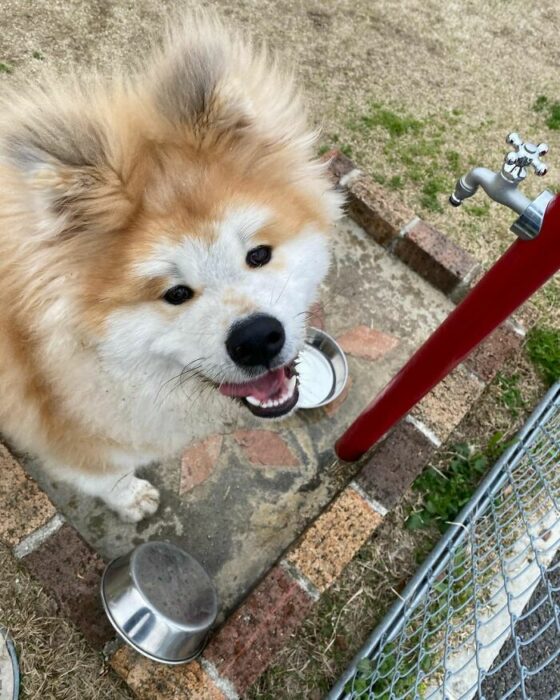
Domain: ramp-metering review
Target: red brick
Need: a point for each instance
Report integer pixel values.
(265, 448)
(23, 506)
(331, 542)
(71, 571)
(244, 647)
(379, 212)
(395, 463)
(367, 343)
(443, 408)
(488, 358)
(153, 681)
(376, 211)
(198, 462)
(435, 257)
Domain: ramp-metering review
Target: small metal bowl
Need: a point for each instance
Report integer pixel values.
(161, 602)
(322, 370)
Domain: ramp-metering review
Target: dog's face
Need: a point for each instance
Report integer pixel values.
(215, 278)
(178, 218)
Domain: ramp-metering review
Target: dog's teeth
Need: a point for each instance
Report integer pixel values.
(287, 394)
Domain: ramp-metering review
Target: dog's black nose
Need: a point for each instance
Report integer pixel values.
(255, 341)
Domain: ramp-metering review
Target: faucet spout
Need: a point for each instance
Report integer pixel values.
(496, 186)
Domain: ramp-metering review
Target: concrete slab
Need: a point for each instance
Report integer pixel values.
(238, 500)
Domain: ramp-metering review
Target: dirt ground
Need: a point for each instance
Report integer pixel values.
(417, 92)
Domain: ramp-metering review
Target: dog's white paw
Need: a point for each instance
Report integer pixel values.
(135, 501)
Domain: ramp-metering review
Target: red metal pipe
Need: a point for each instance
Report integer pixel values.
(523, 268)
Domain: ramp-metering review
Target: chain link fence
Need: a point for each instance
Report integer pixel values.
(481, 618)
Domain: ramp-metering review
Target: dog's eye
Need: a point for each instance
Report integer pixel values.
(259, 256)
(178, 295)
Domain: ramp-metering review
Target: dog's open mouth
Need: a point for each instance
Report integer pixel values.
(270, 396)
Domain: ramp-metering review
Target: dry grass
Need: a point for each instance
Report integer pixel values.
(56, 663)
(453, 72)
(494, 414)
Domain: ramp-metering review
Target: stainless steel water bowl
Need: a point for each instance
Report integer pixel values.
(161, 602)
(322, 370)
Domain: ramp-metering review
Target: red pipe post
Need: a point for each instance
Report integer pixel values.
(517, 275)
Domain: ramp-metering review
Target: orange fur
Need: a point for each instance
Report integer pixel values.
(96, 173)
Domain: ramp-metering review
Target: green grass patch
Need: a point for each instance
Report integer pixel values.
(540, 103)
(431, 191)
(397, 124)
(5, 68)
(550, 110)
(386, 688)
(510, 393)
(445, 492)
(478, 210)
(543, 348)
(416, 151)
(420, 150)
(454, 162)
(396, 182)
(38, 56)
(553, 119)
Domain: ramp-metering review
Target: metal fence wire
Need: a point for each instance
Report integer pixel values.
(481, 618)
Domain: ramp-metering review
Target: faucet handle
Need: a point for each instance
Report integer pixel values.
(527, 154)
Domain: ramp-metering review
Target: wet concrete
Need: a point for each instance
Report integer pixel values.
(239, 520)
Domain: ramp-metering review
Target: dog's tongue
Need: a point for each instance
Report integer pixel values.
(261, 389)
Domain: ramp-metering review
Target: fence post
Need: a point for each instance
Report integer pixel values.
(515, 277)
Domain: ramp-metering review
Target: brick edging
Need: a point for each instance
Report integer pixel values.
(436, 258)
(248, 641)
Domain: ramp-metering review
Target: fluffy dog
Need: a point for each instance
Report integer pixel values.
(160, 233)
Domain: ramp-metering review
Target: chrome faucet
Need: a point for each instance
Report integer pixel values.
(502, 186)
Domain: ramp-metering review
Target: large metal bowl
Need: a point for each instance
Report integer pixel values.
(161, 602)
(322, 370)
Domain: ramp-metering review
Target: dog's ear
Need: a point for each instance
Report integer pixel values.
(194, 79)
(76, 166)
(215, 87)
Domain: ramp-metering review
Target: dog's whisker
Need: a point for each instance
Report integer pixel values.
(189, 369)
